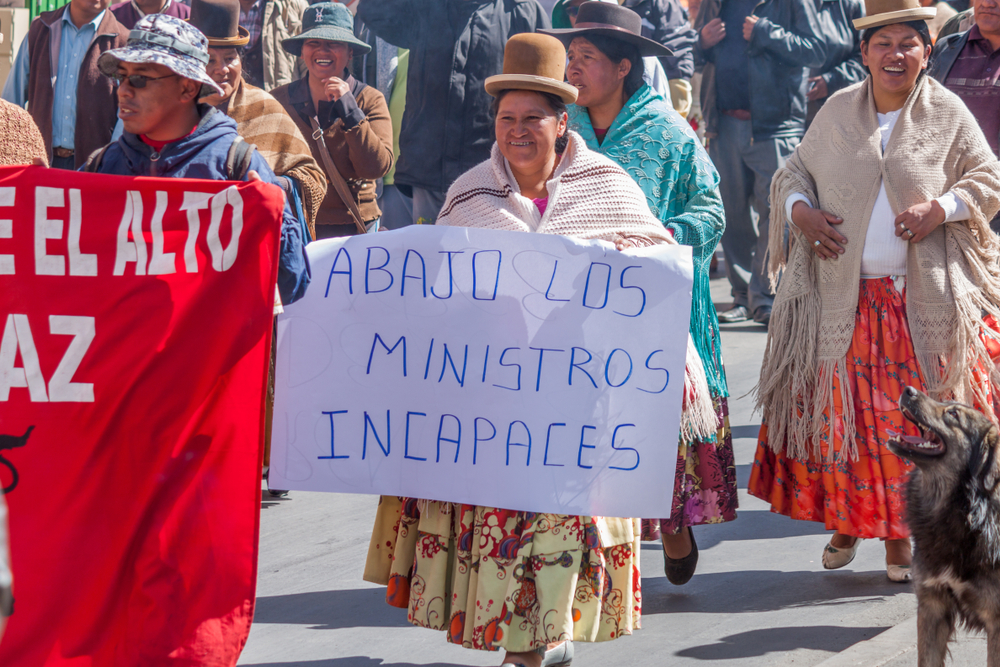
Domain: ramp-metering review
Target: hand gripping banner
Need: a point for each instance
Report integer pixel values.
(530, 372)
(135, 325)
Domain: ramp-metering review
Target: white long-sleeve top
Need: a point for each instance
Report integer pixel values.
(884, 253)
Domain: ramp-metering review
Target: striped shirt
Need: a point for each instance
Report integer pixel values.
(973, 78)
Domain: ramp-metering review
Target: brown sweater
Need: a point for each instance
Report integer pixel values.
(361, 147)
(20, 140)
(96, 102)
(264, 123)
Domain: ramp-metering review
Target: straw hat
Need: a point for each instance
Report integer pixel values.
(533, 62)
(600, 18)
(884, 12)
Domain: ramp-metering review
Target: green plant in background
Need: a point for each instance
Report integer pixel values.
(39, 6)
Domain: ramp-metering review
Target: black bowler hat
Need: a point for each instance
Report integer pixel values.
(219, 20)
(602, 18)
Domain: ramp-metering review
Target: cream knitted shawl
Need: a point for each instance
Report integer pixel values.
(590, 197)
(952, 275)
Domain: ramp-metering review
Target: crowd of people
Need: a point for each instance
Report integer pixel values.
(842, 154)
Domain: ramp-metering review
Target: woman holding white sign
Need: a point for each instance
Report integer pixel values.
(620, 116)
(530, 583)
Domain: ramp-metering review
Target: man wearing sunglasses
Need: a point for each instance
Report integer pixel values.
(55, 75)
(161, 75)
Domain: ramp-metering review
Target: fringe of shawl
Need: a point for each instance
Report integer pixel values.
(949, 377)
(796, 390)
(794, 386)
(699, 420)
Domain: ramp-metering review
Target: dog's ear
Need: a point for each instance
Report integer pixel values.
(986, 460)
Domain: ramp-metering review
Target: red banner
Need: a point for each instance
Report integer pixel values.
(135, 327)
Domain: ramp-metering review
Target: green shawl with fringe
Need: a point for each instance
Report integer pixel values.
(661, 153)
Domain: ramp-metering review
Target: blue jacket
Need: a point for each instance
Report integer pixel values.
(787, 40)
(202, 154)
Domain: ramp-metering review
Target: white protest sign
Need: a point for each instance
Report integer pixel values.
(523, 371)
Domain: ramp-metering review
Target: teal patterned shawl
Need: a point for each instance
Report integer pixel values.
(660, 151)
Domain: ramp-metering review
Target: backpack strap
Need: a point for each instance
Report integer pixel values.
(93, 163)
(238, 159)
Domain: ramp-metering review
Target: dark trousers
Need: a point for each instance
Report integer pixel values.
(68, 163)
(745, 168)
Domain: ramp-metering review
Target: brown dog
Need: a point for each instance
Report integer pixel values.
(953, 510)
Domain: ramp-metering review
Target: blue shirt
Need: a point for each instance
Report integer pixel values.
(73, 45)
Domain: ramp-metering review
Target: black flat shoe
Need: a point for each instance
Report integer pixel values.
(680, 570)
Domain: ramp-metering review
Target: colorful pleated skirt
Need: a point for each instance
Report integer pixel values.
(704, 482)
(493, 578)
(861, 496)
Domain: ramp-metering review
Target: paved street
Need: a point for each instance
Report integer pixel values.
(760, 597)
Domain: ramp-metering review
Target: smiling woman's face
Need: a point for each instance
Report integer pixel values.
(526, 131)
(324, 58)
(895, 55)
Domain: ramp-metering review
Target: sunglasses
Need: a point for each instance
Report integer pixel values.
(138, 80)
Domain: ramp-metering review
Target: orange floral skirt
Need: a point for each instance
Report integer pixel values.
(861, 497)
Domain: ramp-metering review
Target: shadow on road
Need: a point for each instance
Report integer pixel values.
(765, 590)
(751, 525)
(351, 661)
(331, 610)
(756, 643)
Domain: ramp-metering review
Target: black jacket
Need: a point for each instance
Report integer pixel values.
(786, 41)
(946, 52)
(447, 128)
(843, 43)
(666, 22)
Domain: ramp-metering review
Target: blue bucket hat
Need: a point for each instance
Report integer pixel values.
(159, 39)
(326, 20)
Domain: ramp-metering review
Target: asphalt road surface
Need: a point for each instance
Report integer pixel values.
(760, 596)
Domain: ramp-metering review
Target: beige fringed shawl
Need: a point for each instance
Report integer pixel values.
(952, 275)
(590, 197)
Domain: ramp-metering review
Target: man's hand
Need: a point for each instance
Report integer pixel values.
(817, 89)
(38, 162)
(712, 33)
(253, 176)
(335, 88)
(748, 25)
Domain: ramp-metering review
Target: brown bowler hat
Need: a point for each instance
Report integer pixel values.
(219, 21)
(621, 23)
(884, 12)
(532, 61)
